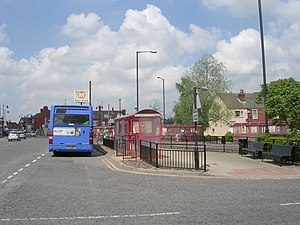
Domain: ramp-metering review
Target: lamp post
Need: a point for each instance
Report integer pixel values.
(4, 110)
(195, 120)
(164, 99)
(137, 74)
(263, 64)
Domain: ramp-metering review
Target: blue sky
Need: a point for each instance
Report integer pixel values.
(48, 49)
(34, 24)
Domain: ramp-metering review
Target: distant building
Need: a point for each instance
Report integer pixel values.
(104, 117)
(248, 118)
(39, 121)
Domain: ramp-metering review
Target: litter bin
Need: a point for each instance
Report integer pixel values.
(223, 140)
(243, 143)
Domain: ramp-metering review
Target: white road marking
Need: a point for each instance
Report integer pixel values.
(92, 217)
(290, 203)
(20, 170)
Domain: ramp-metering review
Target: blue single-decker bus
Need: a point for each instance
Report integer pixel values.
(70, 128)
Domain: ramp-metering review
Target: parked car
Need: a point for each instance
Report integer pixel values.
(30, 134)
(33, 134)
(22, 134)
(13, 135)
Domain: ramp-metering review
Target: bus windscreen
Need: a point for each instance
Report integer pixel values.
(71, 119)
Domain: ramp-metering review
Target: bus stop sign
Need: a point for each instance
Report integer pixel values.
(81, 96)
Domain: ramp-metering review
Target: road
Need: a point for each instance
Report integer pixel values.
(38, 188)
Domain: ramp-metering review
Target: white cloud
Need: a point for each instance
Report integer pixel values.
(108, 59)
(80, 26)
(241, 53)
(242, 57)
(237, 8)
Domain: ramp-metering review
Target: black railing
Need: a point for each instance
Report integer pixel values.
(210, 145)
(126, 148)
(109, 142)
(120, 146)
(191, 138)
(159, 156)
(149, 152)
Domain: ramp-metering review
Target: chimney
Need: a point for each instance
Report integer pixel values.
(241, 96)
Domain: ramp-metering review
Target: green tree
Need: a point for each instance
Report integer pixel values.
(283, 102)
(206, 72)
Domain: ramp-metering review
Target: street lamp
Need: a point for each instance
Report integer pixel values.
(4, 110)
(137, 74)
(164, 99)
(263, 64)
(195, 120)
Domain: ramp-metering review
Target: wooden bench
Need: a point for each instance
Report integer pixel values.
(280, 153)
(255, 148)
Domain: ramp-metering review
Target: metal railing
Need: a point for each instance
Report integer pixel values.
(128, 149)
(159, 156)
(108, 142)
(210, 146)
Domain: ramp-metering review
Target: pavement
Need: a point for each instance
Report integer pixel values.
(219, 165)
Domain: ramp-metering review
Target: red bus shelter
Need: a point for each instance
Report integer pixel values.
(180, 132)
(130, 129)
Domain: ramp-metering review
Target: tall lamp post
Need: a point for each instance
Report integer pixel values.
(164, 99)
(263, 64)
(4, 110)
(195, 120)
(4, 122)
(137, 74)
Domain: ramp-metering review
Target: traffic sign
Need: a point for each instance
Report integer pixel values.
(195, 115)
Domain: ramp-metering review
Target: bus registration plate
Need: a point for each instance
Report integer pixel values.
(71, 147)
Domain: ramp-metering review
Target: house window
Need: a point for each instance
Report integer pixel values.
(244, 129)
(239, 113)
(254, 114)
(253, 130)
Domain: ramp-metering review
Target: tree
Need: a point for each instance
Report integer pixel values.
(208, 72)
(155, 106)
(283, 102)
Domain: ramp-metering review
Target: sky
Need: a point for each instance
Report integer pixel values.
(50, 48)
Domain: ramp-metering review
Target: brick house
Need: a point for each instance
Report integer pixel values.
(41, 119)
(104, 117)
(248, 118)
(37, 122)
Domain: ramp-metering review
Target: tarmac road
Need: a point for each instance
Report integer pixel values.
(76, 189)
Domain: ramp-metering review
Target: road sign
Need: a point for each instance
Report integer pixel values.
(195, 115)
(81, 96)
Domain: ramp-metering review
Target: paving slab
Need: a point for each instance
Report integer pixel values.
(235, 165)
(219, 165)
